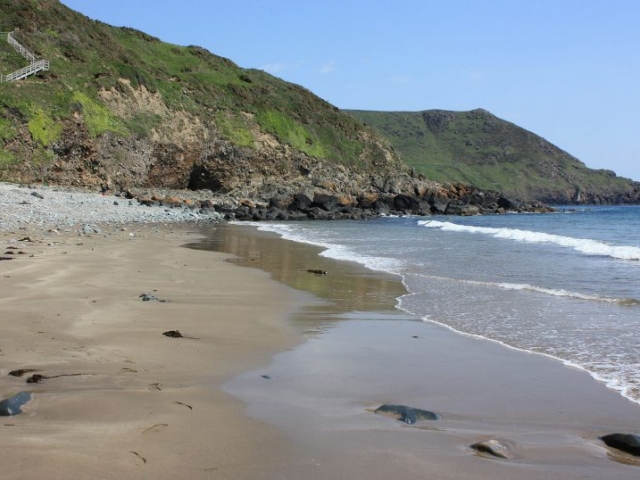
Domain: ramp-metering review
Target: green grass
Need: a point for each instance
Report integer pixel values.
(88, 56)
(476, 148)
(43, 128)
(6, 158)
(234, 129)
(7, 131)
(288, 131)
(98, 118)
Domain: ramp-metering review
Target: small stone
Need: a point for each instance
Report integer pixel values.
(37, 195)
(317, 271)
(35, 378)
(493, 448)
(90, 230)
(172, 334)
(147, 297)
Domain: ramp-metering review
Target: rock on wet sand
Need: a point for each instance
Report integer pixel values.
(406, 414)
(13, 405)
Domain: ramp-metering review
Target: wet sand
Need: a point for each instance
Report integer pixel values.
(360, 353)
(137, 404)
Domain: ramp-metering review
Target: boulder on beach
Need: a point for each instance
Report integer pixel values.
(406, 414)
(13, 405)
(625, 442)
(492, 448)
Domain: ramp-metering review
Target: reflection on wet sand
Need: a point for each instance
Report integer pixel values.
(347, 286)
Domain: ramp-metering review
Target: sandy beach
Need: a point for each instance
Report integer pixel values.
(128, 402)
(360, 353)
(278, 373)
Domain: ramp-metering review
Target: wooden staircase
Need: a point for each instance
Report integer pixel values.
(34, 66)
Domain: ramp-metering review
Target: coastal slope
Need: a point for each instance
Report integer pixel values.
(477, 148)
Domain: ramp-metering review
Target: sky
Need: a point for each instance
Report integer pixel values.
(567, 70)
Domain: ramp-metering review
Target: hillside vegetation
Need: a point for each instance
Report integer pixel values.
(121, 107)
(479, 149)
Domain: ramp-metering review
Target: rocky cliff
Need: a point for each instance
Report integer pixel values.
(123, 111)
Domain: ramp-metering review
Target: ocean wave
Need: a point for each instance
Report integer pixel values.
(611, 377)
(583, 245)
(332, 250)
(533, 288)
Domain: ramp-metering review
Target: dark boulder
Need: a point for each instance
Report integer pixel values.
(300, 202)
(380, 207)
(405, 203)
(172, 334)
(623, 441)
(406, 414)
(280, 202)
(492, 448)
(13, 405)
(325, 202)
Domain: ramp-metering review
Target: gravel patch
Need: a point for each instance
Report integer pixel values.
(64, 209)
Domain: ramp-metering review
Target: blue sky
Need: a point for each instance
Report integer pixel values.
(568, 70)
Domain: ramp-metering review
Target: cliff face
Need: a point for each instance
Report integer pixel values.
(119, 108)
(122, 110)
(185, 151)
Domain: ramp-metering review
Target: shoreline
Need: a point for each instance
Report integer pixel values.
(551, 423)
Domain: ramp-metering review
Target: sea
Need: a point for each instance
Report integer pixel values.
(565, 285)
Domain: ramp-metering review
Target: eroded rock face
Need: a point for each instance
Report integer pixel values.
(187, 153)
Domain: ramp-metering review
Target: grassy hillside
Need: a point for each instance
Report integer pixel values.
(479, 149)
(89, 56)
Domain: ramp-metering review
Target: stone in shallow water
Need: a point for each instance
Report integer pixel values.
(492, 447)
(406, 414)
(623, 441)
(13, 405)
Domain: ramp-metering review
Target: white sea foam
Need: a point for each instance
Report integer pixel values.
(611, 374)
(332, 250)
(583, 245)
(533, 288)
(612, 379)
(617, 374)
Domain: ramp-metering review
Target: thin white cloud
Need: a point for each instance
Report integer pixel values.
(328, 67)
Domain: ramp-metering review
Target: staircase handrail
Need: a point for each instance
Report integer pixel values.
(30, 69)
(34, 67)
(20, 49)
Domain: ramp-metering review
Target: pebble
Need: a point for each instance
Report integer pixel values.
(61, 208)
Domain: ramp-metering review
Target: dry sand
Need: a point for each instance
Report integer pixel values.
(144, 405)
(148, 406)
